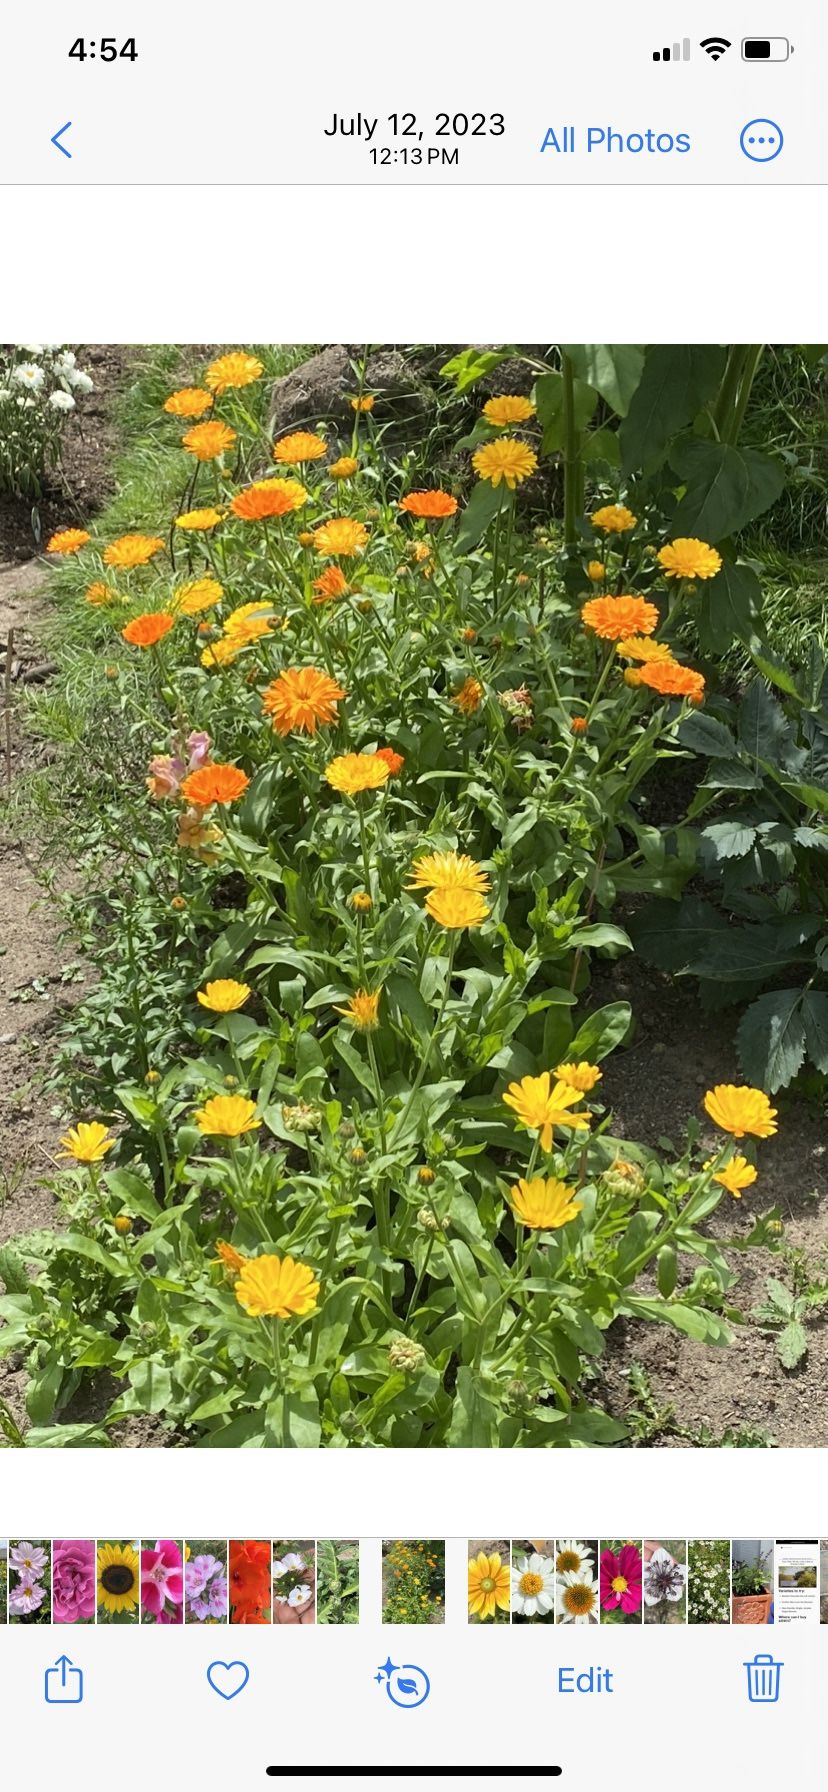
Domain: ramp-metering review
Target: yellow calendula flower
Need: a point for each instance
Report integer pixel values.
(362, 1010)
(740, 1110)
(509, 408)
(227, 1116)
(344, 468)
(641, 648)
(361, 901)
(341, 536)
(506, 459)
(207, 441)
(224, 995)
(189, 401)
(365, 403)
(541, 1105)
(596, 571)
(456, 908)
(544, 1203)
(448, 871)
(229, 1258)
(271, 1287)
(197, 596)
(303, 445)
(488, 1585)
(614, 519)
(582, 1077)
(99, 593)
(688, 558)
(232, 371)
(735, 1175)
(353, 773)
(87, 1142)
(206, 518)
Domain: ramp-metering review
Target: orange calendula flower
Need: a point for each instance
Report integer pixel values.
(214, 784)
(189, 401)
(365, 403)
(394, 761)
(740, 1110)
(300, 698)
(341, 536)
(670, 679)
(688, 558)
(448, 871)
(614, 519)
(613, 618)
(582, 1077)
(206, 518)
(362, 1010)
(229, 1257)
(208, 440)
(344, 468)
(227, 1116)
(331, 584)
(271, 1287)
(579, 724)
(302, 446)
(198, 595)
(544, 1203)
(508, 408)
(541, 1105)
(232, 371)
(148, 630)
(224, 996)
(735, 1175)
(353, 773)
(68, 541)
(132, 550)
(268, 497)
(456, 908)
(100, 593)
(469, 697)
(429, 504)
(507, 460)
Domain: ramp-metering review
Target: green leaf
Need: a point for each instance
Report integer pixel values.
(132, 1193)
(772, 667)
(483, 506)
(673, 936)
(729, 839)
(694, 1322)
(613, 369)
(771, 1039)
(763, 726)
(703, 734)
(666, 1270)
(43, 1394)
(549, 391)
(792, 1344)
(730, 605)
(151, 1386)
(472, 364)
(13, 1272)
(473, 1415)
(676, 382)
(601, 447)
(726, 487)
(815, 1021)
(601, 1032)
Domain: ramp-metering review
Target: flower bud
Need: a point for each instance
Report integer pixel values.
(425, 1175)
(624, 1178)
(122, 1224)
(406, 1354)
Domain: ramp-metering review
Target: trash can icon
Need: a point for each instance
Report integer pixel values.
(763, 1674)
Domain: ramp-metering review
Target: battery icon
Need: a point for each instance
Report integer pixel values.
(766, 49)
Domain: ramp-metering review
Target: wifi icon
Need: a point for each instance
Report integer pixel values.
(715, 46)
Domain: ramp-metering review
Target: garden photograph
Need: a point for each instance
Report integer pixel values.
(413, 930)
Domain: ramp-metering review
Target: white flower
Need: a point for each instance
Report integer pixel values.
(571, 1556)
(35, 349)
(292, 1560)
(61, 401)
(299, 1596)
(78, 380)
(576, 1598)
(279, 1568)
(65, 360)
(5, 394)
(29, 374)
(533, 1585)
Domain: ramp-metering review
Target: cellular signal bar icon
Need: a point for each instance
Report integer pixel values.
(678, 53)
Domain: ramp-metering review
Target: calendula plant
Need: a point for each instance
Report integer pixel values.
(344, 1175)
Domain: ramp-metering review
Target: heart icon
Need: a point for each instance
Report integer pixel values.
(228, 1678)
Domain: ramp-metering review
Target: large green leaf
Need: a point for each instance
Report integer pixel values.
(549, 396)
(815, 1020)
(725, 487)
(729, 609)
(763, 726)
(472, 364)
(601, 1032)
(675, 383)
(613, 369)
(483, 505)
(771, 1039)
(673, 936)
(474, 1415)
(703, 734)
